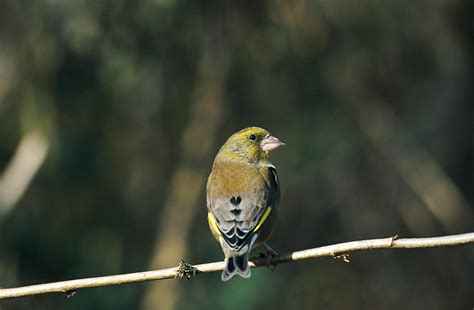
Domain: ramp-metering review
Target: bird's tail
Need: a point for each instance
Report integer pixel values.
(238, 264)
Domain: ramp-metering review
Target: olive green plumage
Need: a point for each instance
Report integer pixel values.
(243, 192)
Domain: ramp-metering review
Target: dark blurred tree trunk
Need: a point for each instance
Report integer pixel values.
(189, 179)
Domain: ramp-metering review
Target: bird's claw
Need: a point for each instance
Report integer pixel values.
(269, 255)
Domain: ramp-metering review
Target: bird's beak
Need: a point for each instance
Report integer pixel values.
(269, 143)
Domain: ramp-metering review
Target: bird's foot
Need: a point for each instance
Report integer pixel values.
(269, 255)
(270, 250)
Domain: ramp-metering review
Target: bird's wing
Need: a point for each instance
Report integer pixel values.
(239, 218)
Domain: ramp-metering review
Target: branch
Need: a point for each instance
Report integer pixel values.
(187, 270)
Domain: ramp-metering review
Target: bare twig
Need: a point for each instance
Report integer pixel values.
(336, 250)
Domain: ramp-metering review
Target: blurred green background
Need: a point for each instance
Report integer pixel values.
(111, 113)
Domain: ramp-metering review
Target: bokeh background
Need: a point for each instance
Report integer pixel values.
(111, 113)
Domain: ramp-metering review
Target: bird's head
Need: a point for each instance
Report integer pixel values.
(252, 144)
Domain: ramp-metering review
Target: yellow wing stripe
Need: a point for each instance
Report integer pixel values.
(212, 224)
(264, 217)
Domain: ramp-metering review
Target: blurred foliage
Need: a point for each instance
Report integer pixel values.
(355, 88)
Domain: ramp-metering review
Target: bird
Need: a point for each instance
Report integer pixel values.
(243, 193)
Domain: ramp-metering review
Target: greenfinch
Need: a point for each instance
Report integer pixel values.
(243, 192)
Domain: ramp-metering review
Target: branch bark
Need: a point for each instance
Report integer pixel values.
(186, 270)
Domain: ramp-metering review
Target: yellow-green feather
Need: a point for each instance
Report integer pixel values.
(242, 169)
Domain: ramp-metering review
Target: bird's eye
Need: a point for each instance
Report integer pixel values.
(252, 137)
